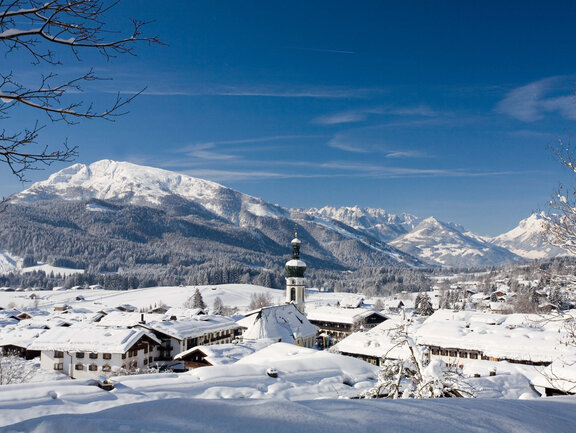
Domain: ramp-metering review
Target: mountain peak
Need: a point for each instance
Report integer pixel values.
(528, 239)
(140, 185)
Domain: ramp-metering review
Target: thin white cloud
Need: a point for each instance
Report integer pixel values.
(313, 92)
(406, 154)
(341, 143)
(325, 50)
(339, 118)
(362, 114)
(296, 92)
(531, 102)
(326, 170)
(204, 151)
(251, 140)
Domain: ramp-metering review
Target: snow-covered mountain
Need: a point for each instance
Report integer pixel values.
(443, 244)
(529, 240)
(151, 206)
(345, 237)
(135, 184)
(379, 223)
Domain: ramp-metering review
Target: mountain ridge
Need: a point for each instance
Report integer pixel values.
(344, 238)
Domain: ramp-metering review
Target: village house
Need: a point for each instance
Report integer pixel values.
(336, 323)
(88, 351)
(220, 354)
(179, 335)
(375, 345)
(458, 337)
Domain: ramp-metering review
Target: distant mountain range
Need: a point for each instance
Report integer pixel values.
(113, 215)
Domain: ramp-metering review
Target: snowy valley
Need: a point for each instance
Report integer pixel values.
(150, 299)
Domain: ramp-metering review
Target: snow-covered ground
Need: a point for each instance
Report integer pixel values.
(232, 295)
(151, 404)
(313, 392)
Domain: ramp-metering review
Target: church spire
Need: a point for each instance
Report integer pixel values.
(295, 281)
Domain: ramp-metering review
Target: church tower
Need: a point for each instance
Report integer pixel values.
(295, 281)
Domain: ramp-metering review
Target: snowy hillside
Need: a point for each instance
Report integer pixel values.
(158, 212)
(232, 295)
(136, 184)
(8, 262)
(528, 240)
(377, 222)
(443, 244)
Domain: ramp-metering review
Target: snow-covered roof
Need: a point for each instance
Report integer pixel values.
(90, 339)
(560, 375)
(280, 322)
(128, 319)
(352, 301)
(18, 335)
(192, 327)
(378, 342)
(223, 354)
(339, 315)
(512, 336)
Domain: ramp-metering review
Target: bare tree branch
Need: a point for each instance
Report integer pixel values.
(36, 27)
(560, 222)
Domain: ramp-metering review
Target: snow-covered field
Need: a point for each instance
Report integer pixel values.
(233, 295)
(135, 406)
(313, 391)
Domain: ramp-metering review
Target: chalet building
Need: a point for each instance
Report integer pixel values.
(84, 352)
(281, 323)
(375, 345)
(17, 341)
(219, 354)
(177, 336)
(337, 323)
(460, 337)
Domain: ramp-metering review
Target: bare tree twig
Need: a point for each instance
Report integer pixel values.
(38, 28)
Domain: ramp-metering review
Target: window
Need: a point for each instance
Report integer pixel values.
(145, 349)
(58, 366)
(106, 368)
(107, 356)
(145, 362)
(93, 367)
(79, 354)
(123, 356)
(435, 351)
(473, 355)
(79, 367)
(58, 354)
(93, 355)
(463, 355)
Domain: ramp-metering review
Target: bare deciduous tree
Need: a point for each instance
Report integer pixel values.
(416, 376)
(14, 369)
(560, 222)
(39, 28)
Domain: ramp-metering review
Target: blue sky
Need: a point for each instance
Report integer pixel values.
(432, 108)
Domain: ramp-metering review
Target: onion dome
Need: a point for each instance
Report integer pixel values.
(295, 267)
